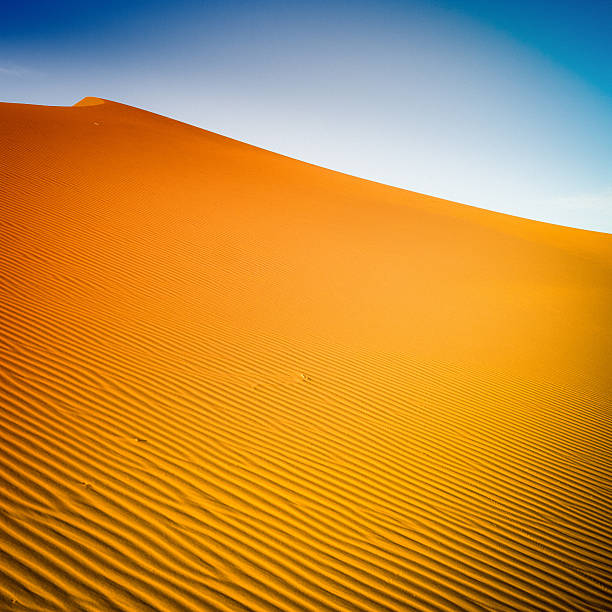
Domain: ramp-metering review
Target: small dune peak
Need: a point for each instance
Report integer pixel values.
(89, 101)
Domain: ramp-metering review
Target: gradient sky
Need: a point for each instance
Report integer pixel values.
(507, 105)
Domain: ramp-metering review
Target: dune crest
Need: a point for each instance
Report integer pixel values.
(90, 101)
(234, 381)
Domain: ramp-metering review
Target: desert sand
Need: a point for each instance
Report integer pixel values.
(231, 380)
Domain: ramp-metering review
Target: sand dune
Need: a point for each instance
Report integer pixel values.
(234, 381)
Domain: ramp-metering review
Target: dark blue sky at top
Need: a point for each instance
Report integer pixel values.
(576, 34)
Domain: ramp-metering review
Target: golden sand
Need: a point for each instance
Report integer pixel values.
(235, 381)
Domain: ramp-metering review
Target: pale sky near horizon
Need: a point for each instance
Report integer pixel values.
(507, 106)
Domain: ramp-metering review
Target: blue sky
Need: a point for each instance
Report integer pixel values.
(507, 106)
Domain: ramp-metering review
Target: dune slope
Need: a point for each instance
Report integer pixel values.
(234, 381)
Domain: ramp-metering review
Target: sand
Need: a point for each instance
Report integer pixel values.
(230, 380)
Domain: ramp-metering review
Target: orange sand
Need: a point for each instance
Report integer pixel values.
(234, 381)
